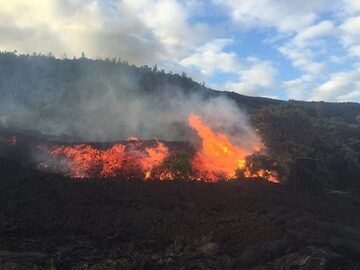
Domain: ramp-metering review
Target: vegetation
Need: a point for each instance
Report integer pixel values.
(310, 149)
(315, 145)
(179, 163)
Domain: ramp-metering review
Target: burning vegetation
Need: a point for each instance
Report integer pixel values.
(216, 158)
(10, 140)
(129, 160)
(94, 219)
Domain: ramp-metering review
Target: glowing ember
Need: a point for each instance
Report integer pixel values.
(84, 161)
(269, 175)
(12, 140)
(112, 160)
(133, 138)
(217, 158)
(155, 156)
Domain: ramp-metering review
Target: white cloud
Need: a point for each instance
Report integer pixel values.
(337, 59)
(282, 14)
(351, 31)
(351, 6)
(355, 50)
(211, 57)
(342, 86)
(256, 78)
(307, 36)
(143, 32)
(183, 35)
(302, 58)
(306, 46)
(299, 88)
(168, 21)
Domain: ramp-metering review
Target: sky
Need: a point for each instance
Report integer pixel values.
(299, 49)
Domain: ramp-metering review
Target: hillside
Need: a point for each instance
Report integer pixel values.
(53, 220)
(25, 78)
(314, 144)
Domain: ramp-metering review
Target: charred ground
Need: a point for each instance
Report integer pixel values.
(48, 221)
(53, 221)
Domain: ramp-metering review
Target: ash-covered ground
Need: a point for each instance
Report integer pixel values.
(48, 221)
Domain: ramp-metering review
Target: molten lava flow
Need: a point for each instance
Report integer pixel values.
(219, 158)
(83, 161)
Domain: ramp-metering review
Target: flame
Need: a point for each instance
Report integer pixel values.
(269, 175)
(133, 138)
(84, 161)
(155, 156)
(112, 159)
(147, 175)
(218, 158)
(12, 140)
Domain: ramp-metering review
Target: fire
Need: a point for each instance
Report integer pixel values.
(133, 138)
(269, 175)
(12, 140)
(155, 156)
(219, 158)
(112, 160)
(83, 161)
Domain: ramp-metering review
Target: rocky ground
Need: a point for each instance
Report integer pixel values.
(53, 222)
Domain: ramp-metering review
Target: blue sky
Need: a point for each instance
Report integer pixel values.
(299, 49)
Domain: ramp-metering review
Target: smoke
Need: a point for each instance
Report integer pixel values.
(104, 105)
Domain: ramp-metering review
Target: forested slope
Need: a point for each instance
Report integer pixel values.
(315, 144)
